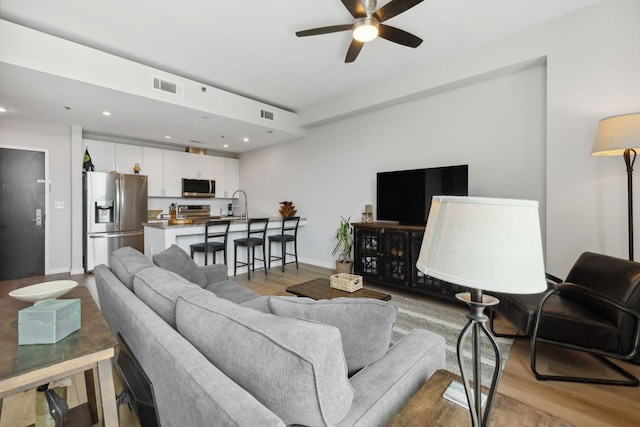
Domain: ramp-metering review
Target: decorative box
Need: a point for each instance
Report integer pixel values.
(48, 321)
(346, 282)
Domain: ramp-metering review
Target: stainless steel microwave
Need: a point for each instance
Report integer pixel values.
(198, 187)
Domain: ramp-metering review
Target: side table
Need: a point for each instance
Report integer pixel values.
(28, 366)
(428, 408)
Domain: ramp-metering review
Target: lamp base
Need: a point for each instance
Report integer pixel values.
(477, 325)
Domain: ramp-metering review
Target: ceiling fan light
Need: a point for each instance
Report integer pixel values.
(365, 29)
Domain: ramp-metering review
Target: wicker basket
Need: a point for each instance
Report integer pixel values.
(346, 282)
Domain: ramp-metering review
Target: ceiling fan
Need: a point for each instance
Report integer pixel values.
(368, 24)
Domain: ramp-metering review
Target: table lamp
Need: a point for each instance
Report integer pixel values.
(620, 136)
(484, 244)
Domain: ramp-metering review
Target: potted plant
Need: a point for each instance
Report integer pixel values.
(344, 235)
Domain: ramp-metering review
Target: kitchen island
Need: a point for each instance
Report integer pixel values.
(158, 236)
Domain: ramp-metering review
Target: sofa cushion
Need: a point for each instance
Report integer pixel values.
(159, 289)
(365, 324)
(215, 272)
(177, 260)
(295, 368)
(232, 291)
(126, 262)
(261, 304)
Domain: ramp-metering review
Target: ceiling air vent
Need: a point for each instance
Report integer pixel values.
(267, 115)
(167, 86)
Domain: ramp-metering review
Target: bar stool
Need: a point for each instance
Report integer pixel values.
(256, 232)
(213, 230)
(288, 233)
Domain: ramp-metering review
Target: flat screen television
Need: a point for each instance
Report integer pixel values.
(405, 196)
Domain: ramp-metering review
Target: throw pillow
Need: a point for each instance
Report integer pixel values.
(159, 289)
(126, 262)
(295, 368)
(365, 324)
(177, 260)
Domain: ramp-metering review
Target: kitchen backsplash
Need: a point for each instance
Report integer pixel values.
(164, 203)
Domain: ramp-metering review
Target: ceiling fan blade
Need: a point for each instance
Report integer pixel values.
(354, 49)
(355, 8)
(399, 36)
(324, 30)
(394, 8)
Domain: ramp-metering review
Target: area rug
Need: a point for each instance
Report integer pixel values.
(448, 322)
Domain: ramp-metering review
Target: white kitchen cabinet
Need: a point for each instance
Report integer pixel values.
(103, 154)
(232, 175)
(226, 176)
(126, 158)
(163, 167)
(108, 156)
(153, 167)
(172, 162)
(220, 177)
(198, 166)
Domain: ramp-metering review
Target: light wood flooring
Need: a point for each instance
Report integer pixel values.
(583, 405)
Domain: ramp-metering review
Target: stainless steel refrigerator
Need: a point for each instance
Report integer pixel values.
(115, 207)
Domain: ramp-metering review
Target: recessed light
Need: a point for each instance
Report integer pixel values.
(106, 113)
(245, 139)
(3, 110)
(226, 145)
(167, 137)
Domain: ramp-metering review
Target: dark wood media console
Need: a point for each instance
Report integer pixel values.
(386, 254)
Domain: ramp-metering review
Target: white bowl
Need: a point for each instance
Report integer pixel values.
(43, 291)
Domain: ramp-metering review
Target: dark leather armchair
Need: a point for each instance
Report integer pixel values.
(596, 310)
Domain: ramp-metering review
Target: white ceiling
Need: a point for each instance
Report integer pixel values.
(245, 47)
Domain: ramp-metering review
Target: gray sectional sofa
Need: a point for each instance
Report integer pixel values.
(219, 354)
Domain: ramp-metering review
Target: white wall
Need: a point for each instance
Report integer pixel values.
(497, 127)
(593, 64)
(58, 141)
(593, 73)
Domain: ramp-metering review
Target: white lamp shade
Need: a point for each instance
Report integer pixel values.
(484, 243)
(616, 134)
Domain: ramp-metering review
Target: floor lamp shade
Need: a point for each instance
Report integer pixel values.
(484, 243)
(617, 134)
(620, 136)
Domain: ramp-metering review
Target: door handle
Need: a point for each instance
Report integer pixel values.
(38, 218)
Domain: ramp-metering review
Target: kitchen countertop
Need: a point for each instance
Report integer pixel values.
(162, 224)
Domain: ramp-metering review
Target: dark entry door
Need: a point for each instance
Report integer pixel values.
(22, 209)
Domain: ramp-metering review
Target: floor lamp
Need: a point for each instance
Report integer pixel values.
(620, 135)
(484, 244)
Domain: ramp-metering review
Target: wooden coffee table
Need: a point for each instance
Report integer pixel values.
(428, 408)
(320, 289)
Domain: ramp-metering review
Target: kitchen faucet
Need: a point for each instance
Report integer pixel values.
(246, 209)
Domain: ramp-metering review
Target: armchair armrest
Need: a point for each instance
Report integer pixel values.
(215, 273)
(589, 294)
